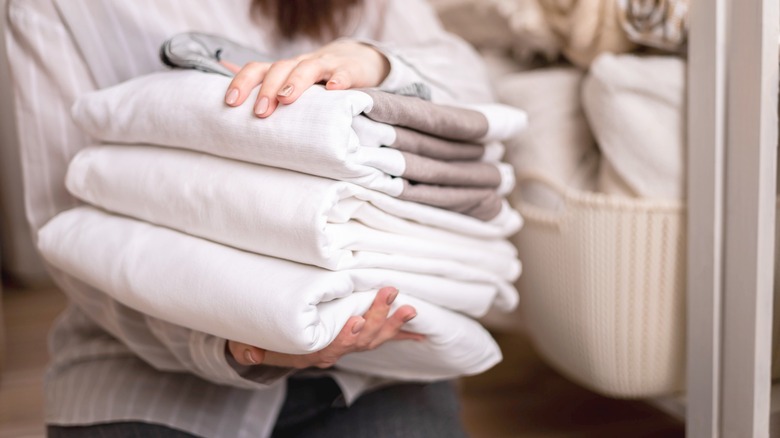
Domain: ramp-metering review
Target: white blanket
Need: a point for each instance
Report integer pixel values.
(636, 109)
(186, 109)
(289, 215)
(272, 303)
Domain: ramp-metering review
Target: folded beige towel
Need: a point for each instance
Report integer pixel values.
(578, 29)
(532, 35)
(587, 28)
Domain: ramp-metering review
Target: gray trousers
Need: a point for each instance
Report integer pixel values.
(314, 409)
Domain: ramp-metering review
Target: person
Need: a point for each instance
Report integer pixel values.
(117, 372)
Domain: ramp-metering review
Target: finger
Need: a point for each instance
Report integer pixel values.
(404, 335)
(347, 337)
(246, 354)
(340, 80)
(393, 324)
(234, 68)
(307, 73)
(244, 81)
(376, 316)
(345, 342)
(274, 79)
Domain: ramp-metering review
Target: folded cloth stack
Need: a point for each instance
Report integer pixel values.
(264, 301)
(280, 257)
(334, 134)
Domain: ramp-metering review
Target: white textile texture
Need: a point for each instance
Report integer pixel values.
(635, 106)
(290, 215)
(271, 303)
(185, 109)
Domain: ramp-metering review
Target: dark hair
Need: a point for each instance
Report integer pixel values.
(319, 19)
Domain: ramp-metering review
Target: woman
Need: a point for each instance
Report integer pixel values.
(116, 372)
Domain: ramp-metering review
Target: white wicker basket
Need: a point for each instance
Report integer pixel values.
(603, 290)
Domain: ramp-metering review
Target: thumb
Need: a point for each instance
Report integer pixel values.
(246, 354)
(340, 80)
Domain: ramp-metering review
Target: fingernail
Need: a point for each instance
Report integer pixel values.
(333, 83)
(232, 96)
(285, 91)
(249, 357)
(409, 317)
(262, 106)
(358, 326)
(392, 296)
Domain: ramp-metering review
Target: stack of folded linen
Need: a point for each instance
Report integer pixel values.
(274, 232)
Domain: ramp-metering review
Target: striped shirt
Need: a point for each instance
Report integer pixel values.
(110, 362)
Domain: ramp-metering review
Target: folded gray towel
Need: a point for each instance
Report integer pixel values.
(201, 51)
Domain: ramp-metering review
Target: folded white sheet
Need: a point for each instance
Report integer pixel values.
(286, 214)
(186, 109)
(268, 302)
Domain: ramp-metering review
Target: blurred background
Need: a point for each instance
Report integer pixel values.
(19, 260)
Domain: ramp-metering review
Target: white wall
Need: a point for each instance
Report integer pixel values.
(18, 258)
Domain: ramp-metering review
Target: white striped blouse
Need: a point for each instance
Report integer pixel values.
(109, 362)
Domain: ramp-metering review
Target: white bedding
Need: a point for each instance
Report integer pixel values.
(272, 303)
(290, 215)
(636, 108)
(186, 109)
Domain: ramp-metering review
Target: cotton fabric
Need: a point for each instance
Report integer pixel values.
(293, 216)
(270, 303)
(314, 137)
(635, 106)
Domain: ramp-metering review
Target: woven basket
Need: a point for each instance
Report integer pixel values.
(603, 290)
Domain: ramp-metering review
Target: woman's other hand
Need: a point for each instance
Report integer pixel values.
(360, 333)
(340, 65)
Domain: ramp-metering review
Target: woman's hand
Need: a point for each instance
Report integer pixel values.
(360, 333)
(341, 65)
